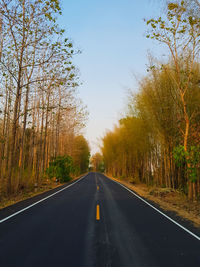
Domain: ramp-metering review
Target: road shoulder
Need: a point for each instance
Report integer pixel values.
(21, 204)
(188, 219)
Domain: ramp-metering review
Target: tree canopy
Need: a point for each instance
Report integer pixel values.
(157, 142)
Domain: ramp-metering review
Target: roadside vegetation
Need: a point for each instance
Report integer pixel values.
(41, 116)
(97, 163)
(158, 141)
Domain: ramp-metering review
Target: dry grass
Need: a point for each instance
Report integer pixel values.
(7, 201)
(167, 199)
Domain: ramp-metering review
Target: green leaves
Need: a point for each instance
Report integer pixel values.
(179, 155)
(61, 168)
(173, 6)
(177, 24)
(189, 159)
(192, 20)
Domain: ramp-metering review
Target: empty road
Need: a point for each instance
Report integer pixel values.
(93, 222)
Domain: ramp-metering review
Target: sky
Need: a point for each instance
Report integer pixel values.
(111, 36)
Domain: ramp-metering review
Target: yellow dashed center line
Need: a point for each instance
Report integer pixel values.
(97, 213)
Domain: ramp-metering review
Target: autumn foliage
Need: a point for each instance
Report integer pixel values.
(41, 115)
(158, 141)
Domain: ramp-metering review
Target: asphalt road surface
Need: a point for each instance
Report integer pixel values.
(94, 222)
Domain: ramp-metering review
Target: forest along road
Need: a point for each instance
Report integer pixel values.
(94, 222)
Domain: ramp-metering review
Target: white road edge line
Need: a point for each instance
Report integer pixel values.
(185, 229)
(41, 200)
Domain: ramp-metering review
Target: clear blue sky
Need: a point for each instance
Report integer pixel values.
(111, 35)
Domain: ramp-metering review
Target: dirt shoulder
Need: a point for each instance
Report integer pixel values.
(23, 195)
(167, 199)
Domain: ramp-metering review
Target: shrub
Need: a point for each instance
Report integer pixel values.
(61, 167)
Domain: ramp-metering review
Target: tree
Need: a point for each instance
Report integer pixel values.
(97, 162)
(144, 147)
(81, 154)
(180, 32)
(61, 168)
(40, 109)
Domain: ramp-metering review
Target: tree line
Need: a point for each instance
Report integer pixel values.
(40, 113)
(158, 141)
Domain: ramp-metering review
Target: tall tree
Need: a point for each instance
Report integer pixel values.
(40, 107)
(180, 32)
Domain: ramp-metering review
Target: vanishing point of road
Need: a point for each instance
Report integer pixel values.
(93, 222)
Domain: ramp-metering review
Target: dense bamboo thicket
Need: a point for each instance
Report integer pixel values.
(41, 116)
(158, 142)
